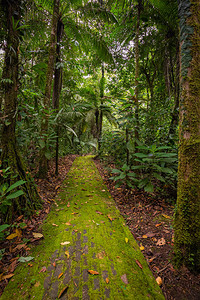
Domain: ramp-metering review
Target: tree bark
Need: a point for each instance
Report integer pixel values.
(57, 85)
(137, 73)
(187, 215)
(102, 83)
(10, 157)
(43, 162)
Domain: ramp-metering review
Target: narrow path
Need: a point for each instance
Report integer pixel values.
(84, 232)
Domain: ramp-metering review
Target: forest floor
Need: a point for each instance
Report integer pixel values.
(85, 250)
(148, 217)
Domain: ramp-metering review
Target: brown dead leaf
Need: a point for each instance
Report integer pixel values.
(144, 236)
(54, 264)
(101, 255)
(139, 264)
(12, 266)
(109, 217)
(161, 242)
(19, 247)
(43, 270)
(93, 272)
(7, 276)
(124, 279)
(57, 187)
(37, 235)
(107, 280)
(55, 225)
(159, 281)
(19, 218)
(98, 212)
(64, 290)
(37, 284)
(158, 224)
(68, 224)
(150, 234)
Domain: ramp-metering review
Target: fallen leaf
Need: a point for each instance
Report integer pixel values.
(60, 275)
(25, 259)
(74, 213)
(126, 240)
(141, 247)
(124, 279)
(93, 272)
(55, 225)
(64, 290)
(18, 232)
(57, 187)
(150, 234)
(37, 284)
(98, 212)
(68, 205)
(103, 190)
(19, 218)
(7, 276)
(145, 236)
(109, 217)
(161, 242)
(67, 254)
(107, 280)
(68, 224)
(65, 243)
(158, 224)
(12, 266)
(139, 264)
(37, 235)
(43, 270)
(101, 255)
(12, 236)
(159, 281)
(165, 216)
(18, 247)
(54, 264)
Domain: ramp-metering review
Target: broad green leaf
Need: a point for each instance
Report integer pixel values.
(15, 195)
(159, 177)
(149, 187)
(16, 184)
(3, 227)
(116, 171)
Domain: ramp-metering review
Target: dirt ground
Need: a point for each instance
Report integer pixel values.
(149, 218)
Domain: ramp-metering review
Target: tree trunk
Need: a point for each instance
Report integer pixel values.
(30, 201)
(137, 73)
(43, 166)
(175, 114)
(57, 86)
(102, 83)
(187, 215)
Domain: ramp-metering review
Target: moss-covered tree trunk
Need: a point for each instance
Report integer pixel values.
(10, 156)
(187, 215)
(43, 165)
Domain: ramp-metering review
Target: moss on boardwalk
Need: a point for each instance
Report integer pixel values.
(99, 241)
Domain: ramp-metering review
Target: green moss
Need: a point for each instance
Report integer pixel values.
(97, 242)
